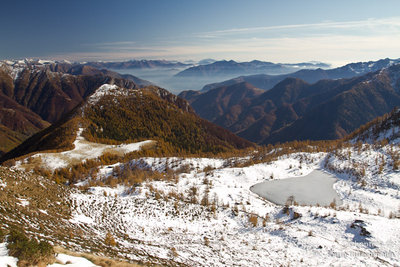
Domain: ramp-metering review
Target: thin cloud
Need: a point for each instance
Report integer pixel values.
(112, 44)
(393, 23)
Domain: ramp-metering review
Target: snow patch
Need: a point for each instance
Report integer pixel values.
(23, 202)
(84, 150)
(71, 261)
(80, 218)
(43, 211)
(5, 260)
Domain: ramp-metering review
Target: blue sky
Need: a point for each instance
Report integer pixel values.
(279, 31)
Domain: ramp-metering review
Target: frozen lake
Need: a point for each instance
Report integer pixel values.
(312, 189)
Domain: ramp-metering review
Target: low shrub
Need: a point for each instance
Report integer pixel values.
(253, 219)
(2, 235)
(29, 251)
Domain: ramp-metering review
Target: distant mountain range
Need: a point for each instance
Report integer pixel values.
(296, 110)
(232, 68)
(266, 82)
(191, 75)
(138, 64)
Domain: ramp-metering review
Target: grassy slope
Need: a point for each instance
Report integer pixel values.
(146, 116)
(9, 139)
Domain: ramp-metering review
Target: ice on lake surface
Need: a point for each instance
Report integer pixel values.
(313, 189)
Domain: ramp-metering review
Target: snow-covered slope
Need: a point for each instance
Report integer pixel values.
(209, 217)
(200, 211)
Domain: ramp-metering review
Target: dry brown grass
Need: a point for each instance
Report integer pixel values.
(253, 219)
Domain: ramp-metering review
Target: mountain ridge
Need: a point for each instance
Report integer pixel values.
(138, 64)
(297, 110)
(231, 68)
(266, 82)
(41, 92)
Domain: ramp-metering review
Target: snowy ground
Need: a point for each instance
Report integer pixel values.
(235, 227)
(61, 260)
(206, 215)
(6, 260)
(83, 150)
(71, 261)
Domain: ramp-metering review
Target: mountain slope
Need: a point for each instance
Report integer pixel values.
(296, 110)
(17, 123)
(9, 139)
(19, 118)
(382, 129)
(371, 96)
(114, 114)
(223, 99)
(34, 93)
(52, 90)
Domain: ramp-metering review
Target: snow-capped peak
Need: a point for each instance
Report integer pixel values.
(106, 89)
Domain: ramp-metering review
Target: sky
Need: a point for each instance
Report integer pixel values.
(285, 31)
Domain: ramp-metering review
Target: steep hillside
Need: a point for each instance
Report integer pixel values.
(215, 103)
(296, 110)
(35, 93)
(19, 118)
(17, 123)
(114, 114)
(382, 129)
(144, 114)
(9, 139)
(351, 105)
(51, 90)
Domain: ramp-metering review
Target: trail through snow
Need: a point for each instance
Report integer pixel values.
(84, 150)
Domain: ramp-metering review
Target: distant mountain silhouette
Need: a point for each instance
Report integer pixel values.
(266, 82)
(138, 64)
(232, 68)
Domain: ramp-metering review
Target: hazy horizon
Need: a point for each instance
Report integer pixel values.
(289, 31)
